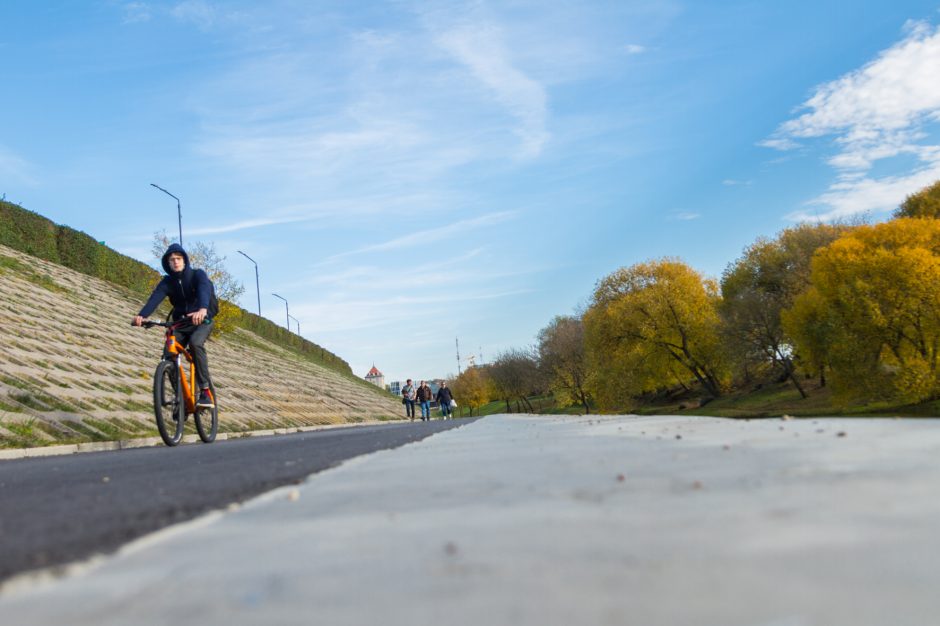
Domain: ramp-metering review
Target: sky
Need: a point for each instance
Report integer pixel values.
(410, 173)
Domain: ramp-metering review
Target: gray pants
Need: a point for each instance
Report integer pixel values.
(194, 338)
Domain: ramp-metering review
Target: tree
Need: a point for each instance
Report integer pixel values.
(652, 325)
(924, 203)
(562, 356)
(874, 311)
(227, 288)
(515, 375)
(471, 388)
(765, 281)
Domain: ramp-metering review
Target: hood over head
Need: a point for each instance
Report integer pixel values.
(174, 247)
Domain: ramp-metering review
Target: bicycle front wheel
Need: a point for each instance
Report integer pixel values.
(168, 405)
(207, 420)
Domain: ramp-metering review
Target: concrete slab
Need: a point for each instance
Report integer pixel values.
(547, 520)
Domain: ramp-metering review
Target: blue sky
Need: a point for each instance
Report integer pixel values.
(406, 173)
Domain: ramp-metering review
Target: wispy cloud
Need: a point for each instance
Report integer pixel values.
(135, 12)
(634, 48)
(875, 113)
(685, 216)
(198, 12)
(730, 182)
(430, 235)
(246, 224)
(481, 48)
(14, 168)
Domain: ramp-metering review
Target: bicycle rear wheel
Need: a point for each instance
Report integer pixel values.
(168, 405)
(207, 420)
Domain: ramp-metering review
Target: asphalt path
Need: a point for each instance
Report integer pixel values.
(57, 510)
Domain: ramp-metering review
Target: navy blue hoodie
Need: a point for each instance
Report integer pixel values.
(188, 290)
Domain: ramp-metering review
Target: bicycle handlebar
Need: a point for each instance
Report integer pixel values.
(186, 321)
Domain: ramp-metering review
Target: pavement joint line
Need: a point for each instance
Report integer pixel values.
(147, 442)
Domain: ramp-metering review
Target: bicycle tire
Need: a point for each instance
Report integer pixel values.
(207, 420)
(168, 407)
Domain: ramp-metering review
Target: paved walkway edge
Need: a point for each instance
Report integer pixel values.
(146, 442)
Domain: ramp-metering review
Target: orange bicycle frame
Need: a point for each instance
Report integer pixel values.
(177, 349)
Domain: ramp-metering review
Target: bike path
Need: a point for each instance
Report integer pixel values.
(548, 520)
(55, 510)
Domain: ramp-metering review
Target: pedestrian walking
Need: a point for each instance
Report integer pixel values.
(444, 398)
(408, 399)
(424, 396)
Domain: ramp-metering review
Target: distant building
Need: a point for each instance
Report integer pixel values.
(395, 387)
(376, 377)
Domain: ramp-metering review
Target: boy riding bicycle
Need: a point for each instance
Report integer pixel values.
(190, 292)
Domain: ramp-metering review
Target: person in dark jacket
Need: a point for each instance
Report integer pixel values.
(190, 292)
(424, 397)
(443, 400)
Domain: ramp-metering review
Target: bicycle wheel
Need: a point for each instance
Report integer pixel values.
(207, 420)
(168, 405)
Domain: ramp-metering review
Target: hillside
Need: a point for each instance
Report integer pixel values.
(74, 369)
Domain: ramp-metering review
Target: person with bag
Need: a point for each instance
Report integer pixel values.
(408, 399)
(424, 397)
(192, 295)
(444, 399)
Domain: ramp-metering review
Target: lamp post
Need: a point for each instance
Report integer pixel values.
(286, 308)
(257, 284)
(298, 323)
(179, 211)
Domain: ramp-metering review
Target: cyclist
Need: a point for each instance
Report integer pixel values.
(191, 293)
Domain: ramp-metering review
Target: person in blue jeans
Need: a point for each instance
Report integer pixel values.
(424, 397)
(444, 397)
(408, 397)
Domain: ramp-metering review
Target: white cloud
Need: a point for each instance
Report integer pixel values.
(135, 12)
(430, 235)
(686, 216)
(878, 112)
(480, 47)
(867, 195)
(15, 169)
(198, 12)
(634, 48)
(246, 224)
(730, 182)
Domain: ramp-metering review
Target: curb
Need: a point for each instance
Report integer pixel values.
(147, 442)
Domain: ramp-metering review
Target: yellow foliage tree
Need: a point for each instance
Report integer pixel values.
(763, 282)
(873, 312)
(471, 388)
(924, 203)
(650, 326)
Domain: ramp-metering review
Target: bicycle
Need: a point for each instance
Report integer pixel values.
(170, 406)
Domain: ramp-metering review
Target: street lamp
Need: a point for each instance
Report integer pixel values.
(257, 284)
(179, 211)
(286, 308)
(298, 323)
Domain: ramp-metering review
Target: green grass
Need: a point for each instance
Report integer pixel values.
(11, 266)
(10, 408)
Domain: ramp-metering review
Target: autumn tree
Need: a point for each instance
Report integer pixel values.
(924, 203)
(471, 388)
(561, 356)
(227, 288)
(650, 326)
(874, 310)
(765, 281)
(515, 375)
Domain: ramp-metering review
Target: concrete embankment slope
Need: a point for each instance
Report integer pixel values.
(72, 366)
(534, 521)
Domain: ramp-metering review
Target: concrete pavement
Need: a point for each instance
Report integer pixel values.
(556, 520)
